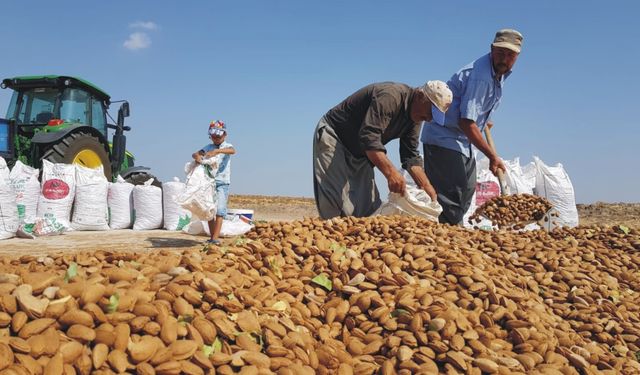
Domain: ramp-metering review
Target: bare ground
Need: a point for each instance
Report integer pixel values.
(266, 208)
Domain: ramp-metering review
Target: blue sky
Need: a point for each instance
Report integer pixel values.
(271, 69)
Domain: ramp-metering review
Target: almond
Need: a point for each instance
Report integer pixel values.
(70, 351)
(145, 309)
(99, 355)
(142, 350)
(29, 363)
(81, 333)
(83, 364)
(76, 317)
(183, 349)
(117, 360)
(55, 366)
(37, 343)
(96, 313)
(162, 355)
(145, 369)
(18, 320)
(169, 331)
(122, 333)
(206, 329)
(35, 327)
(52, 337)
(19, 345)
(6, 356)
(169, 368)
(92, 294)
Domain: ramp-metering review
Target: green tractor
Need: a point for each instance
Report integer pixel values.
(64, 120)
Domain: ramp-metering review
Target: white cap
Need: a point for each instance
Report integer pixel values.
(440, 96)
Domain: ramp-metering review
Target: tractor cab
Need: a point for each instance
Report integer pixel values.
(63, 119)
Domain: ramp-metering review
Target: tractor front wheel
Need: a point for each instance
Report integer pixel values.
(80, 148)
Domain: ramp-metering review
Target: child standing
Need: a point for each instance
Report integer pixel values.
(219, 146)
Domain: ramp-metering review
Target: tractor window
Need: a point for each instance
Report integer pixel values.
(37, 106)
(11, 111)
(98, 119)
(75, 106)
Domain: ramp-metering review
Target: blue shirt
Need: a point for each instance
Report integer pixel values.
(476, 94)
(223, 176)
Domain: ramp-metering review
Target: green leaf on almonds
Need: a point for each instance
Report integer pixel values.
(207, 350)
(638, 356)
(242, 240)
(624, 229)
(72, 271)
(337, 248)
(323, 281)
(217, 345)
(114, 300)
(275, 266)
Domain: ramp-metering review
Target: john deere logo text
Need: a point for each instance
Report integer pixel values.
(55, 189)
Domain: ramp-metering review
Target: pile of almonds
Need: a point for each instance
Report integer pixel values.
(512, 211)
(347, 296)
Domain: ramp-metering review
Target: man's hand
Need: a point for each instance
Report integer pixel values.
(431, 192)
(494, 164)
(198, 158)
(397, 184)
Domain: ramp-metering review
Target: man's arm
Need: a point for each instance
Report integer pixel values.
(227, 150)
(472, 131)
(396, 182)
(421, 179)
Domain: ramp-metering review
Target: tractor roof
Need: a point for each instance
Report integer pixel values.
(55, 81)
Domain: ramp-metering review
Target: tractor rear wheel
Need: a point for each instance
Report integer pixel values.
(80, 148)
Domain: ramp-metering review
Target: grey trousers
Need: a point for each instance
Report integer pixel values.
(453, 175)
(343, 185)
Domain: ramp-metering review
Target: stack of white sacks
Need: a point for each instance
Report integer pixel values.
(72, 197)
(550, 182)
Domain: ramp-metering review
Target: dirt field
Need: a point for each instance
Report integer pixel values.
(267, 208)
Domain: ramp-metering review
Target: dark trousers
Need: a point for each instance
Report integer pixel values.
(343, 185)
(453, 175)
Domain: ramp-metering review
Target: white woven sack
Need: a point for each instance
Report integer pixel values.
(57, 191)
(147, 206)
(120, 203)
(199, 196)
(230, 227)
(175, 217)
(416, 202)
(8, 205)
(24, 180)
(529, 176)
(515, 180)
(90, 210)
(553, 183)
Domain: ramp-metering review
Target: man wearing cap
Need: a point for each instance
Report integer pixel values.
(448, 157)
(349, 141)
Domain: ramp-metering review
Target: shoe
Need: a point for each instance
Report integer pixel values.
(213, 242)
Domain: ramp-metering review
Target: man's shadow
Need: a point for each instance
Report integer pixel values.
(172, 242)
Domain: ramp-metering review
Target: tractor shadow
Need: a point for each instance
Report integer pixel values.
(164, 242)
